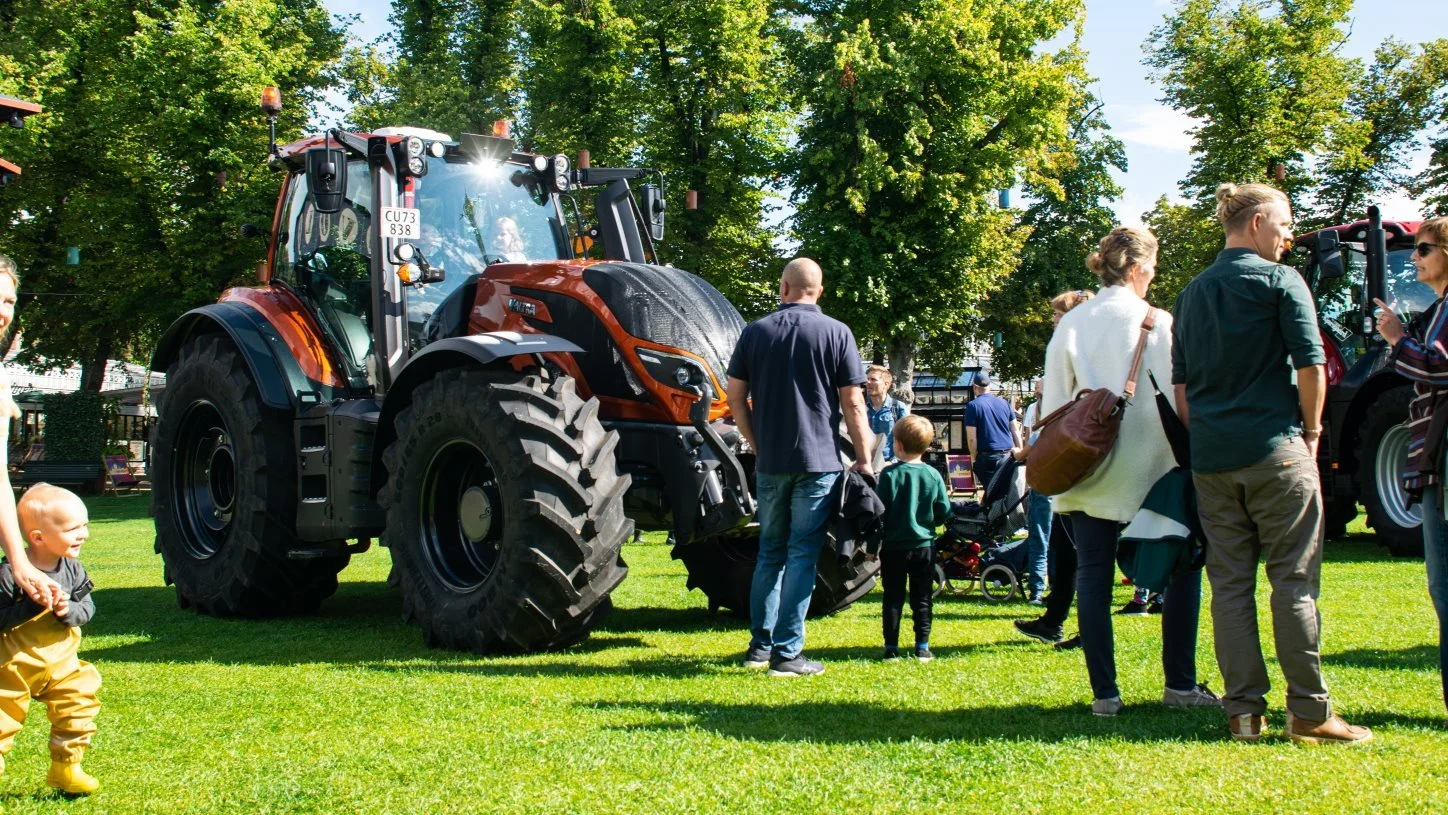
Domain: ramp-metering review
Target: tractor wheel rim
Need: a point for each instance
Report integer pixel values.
(205, 483)
(461, 515)
(1392, 459)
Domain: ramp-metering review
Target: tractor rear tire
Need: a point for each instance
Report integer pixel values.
(723, 568)
(505, 512)
(224, 493)
(1382, 453)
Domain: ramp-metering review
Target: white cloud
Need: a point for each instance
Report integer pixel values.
(1152, 126)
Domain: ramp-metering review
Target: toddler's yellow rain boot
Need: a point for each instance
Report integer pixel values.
(71, 779)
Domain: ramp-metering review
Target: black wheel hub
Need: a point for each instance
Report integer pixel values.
(461, 515)
(205, 481)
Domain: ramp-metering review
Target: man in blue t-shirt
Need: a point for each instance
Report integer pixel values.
(991, 431)
(793, 376)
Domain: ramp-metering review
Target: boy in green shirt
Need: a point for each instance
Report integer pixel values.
(916, 502)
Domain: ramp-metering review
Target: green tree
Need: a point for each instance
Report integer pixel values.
(1265, 81)
(917, 113)
(457, 71)
(1190, 239)
(579, 79)
(148, 158)
(1432, 184)
(719, 123)
(1066, 218)
(1390, 105)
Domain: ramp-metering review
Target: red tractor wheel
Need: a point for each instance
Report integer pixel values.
(504, 512)
(723, 568)
(224, 493)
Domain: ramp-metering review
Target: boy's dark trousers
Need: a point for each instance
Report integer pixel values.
(918, 565)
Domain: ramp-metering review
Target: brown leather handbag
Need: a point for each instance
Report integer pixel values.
(1075, 438)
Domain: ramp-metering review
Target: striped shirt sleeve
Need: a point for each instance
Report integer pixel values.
(1425, 359)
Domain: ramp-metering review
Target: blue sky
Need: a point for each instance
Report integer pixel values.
(1156, 138)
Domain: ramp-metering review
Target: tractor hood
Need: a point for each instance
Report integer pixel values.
(670, 307)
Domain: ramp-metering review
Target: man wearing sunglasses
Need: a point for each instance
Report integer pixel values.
(1420, 353)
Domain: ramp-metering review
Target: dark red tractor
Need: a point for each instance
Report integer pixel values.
(430, 359)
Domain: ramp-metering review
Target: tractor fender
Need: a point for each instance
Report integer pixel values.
(275, 372)
(474, 350)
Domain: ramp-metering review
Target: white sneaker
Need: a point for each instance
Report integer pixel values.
(1107, 707)
(1200, 696)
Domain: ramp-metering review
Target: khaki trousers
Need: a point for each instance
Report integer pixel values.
(41, 663)
(1269, 511)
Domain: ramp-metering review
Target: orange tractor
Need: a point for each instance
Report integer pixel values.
(428, 361)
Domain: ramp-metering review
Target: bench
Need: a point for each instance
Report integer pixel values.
(59, 473)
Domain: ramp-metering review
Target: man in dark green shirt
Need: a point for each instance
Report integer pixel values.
(1247, 363)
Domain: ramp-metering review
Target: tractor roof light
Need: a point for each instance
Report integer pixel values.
(501, 129)
(271, 100)
(560, 173)
(540, 164)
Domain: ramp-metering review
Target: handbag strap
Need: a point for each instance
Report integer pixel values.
(1146, 326)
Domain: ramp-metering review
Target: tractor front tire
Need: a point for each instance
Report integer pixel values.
(224, 493)
(505, 512)
(1382, 454)
(723, 568)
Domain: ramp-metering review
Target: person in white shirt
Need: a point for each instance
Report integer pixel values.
(1092, 348)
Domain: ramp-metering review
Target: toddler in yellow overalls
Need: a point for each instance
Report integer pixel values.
(38, 645)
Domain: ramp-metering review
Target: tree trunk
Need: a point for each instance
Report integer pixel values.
(902, 353)
(93, 370)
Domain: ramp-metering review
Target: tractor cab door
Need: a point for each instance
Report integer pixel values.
(326, 259)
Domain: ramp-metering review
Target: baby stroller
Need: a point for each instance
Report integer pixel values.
(976, 546)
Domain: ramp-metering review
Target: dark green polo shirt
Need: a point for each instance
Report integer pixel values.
(916, 502)
(1241, 330)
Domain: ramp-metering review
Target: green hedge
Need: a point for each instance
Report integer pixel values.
(76, 426)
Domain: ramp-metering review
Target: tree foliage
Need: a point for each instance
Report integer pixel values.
(1389, 106)
(1266, 82)
(1066, 219)
(916, 113)
(147, 158)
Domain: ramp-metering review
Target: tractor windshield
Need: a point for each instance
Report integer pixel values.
(475, 214)
(1340, 299)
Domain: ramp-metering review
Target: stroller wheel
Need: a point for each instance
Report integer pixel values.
(939, 583)
(998, 583)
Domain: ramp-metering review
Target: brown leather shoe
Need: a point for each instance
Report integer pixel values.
(1332, 731)
(1246, 726)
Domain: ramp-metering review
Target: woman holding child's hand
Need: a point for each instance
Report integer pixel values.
(36, 585)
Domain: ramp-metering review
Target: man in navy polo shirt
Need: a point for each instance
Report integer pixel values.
(990, 431)
(802, 372)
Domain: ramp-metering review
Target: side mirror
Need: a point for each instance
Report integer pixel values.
(652, 205)
(1329, 255)
(327, 179)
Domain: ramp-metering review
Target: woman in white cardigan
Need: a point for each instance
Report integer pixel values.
(1092, 348)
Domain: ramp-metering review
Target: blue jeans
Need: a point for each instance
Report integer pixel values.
(1096, 541)
(1435, 552)
(1038, 537)
(795, 510)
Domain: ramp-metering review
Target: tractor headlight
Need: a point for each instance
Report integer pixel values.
(416, 166)
(672, 369)
(414, 147)
(559, 163)
(540, 164)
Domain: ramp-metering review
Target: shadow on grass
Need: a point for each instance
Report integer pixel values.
(856, 723)
(1358, 549)
(362, 626)
(1417, 657)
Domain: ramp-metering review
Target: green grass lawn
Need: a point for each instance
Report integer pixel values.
(346, 711)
